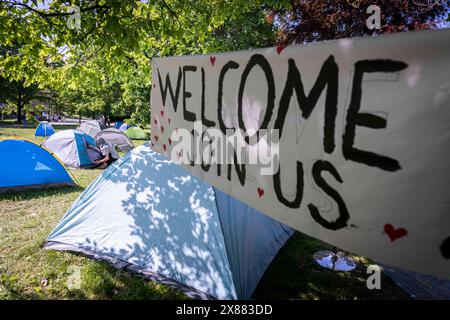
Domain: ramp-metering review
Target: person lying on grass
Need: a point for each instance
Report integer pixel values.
(109, 154)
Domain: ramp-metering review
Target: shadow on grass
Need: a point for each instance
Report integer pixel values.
(294, 274)
(151, 187)
(15, 124)
(100, 280)
(104, 281)
(13, 292)
(30, 194)
(64, 126)
(96, 280)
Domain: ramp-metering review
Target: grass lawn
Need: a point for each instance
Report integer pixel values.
(29, 272)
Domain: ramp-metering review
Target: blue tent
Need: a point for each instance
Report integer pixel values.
(24, 164)
(118, 124)
(149, 215)
(44, 129)
(123, 127)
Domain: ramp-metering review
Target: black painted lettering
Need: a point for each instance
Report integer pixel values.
(229, 65)
(257, 59)
(356, 118)
(341, 222)
(206, 122)
(299, 193)
(328, 76)
(188, 115)
(168, 87)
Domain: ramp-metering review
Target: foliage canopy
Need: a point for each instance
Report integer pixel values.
(103, 67)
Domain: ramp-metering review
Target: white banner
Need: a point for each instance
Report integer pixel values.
(362, 158)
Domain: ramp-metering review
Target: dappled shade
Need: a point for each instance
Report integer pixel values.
(149, 215)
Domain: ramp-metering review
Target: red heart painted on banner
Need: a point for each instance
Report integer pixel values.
(165, 147)
(260, 192)
(162, 129)
(162, 113)
(156, 138)
(280, 49)
(170, 141)
(393, 233)
(212, 60)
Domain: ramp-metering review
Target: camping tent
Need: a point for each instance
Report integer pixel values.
(123, 127)
(116, 138)
(76, 149)
(92, 127)
(44, 129)
(118, 124)
(24, 164)
(149, 215)
(136, 133)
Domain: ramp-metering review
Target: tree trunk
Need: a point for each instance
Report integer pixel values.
(19, 108)
(19, 113)
(106, 119)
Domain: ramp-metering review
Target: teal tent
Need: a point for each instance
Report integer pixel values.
(149, 215)
(24, 164)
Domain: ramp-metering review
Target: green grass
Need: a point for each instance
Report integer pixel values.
(29, 272)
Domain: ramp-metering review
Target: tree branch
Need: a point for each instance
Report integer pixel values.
(55, 14)
(172, 13)
(145, 54)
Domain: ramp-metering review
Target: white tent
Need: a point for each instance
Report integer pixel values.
(74, 148)
(91, 128)
(116, 138)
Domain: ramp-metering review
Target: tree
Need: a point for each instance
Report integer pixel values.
(137, 96)
(117, 39)
(15, 92)
(309, 21)
(114, 29)
(247, 31)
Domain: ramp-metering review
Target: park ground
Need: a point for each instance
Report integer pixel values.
(29, 272)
